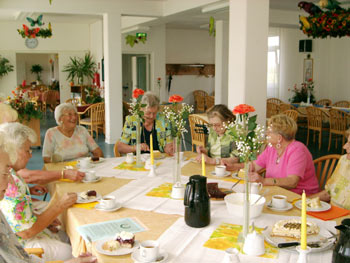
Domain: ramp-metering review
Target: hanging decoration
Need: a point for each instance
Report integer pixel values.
(333, 22)
(132, 40)
(34, 32)
(212, 31)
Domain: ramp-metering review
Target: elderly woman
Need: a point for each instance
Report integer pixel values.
(155, 124)
(30, 228)
(68, 141)
(220, 146)
(8, 114)
(288, 162)
(337, 188)
(10, 249)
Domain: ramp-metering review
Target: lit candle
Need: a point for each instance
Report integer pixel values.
(151, 148)
(303, 222)
(203, 165)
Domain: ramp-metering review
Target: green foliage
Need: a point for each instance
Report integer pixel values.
(36, 69)
(26, 109)
(5, 66)
(132, 40)
(92, 95)
(301, 94)
(212, 31)
(80, 68)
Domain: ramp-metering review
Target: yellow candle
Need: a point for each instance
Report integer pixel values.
(303, 222)
(203, 165)
(151, 148)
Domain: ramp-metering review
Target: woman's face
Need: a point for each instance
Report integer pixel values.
(4, 173)
(217, 124)
(69, 119)
(346, 147)
(23, 156)
(150, 114)
(272, 137)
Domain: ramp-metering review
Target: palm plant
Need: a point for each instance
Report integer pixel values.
(5, 66)
(80, 68)
(36, 69)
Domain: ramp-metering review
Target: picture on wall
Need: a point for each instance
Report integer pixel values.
(308, 69)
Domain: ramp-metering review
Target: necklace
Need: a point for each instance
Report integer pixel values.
(279, 156)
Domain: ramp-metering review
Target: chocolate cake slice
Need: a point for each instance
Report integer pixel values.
(95, 159)
(214, 191)
(91, 193)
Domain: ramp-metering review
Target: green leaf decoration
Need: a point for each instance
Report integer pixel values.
(5, 67)
(132, 40)
(212, 26)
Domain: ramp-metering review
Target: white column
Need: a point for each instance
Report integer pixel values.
(248, 35)
(221, 62)
(113, 76)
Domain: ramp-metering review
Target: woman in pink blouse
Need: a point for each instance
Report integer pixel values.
(288, 162)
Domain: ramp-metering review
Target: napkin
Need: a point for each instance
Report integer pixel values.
(330, 214)
(86, 206)
(71, 163)
(66, 180)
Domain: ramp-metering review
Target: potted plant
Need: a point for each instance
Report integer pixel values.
(37, 69)
(5, 66)
(80, 68)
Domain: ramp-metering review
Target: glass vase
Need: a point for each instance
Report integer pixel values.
(246, 204)
(138, 145)
(178, 189)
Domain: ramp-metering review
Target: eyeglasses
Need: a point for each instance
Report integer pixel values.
(215, 125)
(70, 114)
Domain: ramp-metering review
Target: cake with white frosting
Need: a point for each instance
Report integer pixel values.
(292, 228)
(314, 202)
(125, 239)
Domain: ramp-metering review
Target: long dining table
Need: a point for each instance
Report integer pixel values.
(163, 218)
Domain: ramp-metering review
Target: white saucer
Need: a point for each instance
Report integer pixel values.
(227, 173)
(162, 257)
(288, 207)
(98, 178)
(115, 208)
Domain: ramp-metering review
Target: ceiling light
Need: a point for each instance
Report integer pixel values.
(215, 7)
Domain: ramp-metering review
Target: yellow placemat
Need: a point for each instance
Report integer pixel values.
(226, 236)
(132, 166)
(233, 180)
(164, 190)
(66, 180)
(86, 206)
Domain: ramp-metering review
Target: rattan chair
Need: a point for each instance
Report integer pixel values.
(209, 102)
(342, 104)
(272, 109)
(324, 102)
(315, 117)
(324, 167)
(199, 100)
(96, 117)
(275, 100)
(292, 114)
(74, 101)
(197, 126)
(338, 121)
(115, 149)
(284, 107)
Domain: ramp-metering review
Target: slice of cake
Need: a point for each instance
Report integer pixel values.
(314, 202)
(292, 227)
(95, 159)
(111, 245)
(214, 191)
(125, 239)
(87, 195)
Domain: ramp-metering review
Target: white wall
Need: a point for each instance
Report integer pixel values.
(25, 61)
(96, 44)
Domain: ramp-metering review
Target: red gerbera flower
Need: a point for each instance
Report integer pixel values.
(243, 109)
(175, 98)
(137, 92)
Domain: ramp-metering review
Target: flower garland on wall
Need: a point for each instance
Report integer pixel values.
(334, 22)
(33, 31)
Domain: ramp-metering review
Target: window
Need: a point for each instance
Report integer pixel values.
(273, 65)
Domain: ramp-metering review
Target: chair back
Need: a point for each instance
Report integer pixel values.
(199, 100)
(314, 118)
(209, 101)
(292, 114)
(342, 104)
(272, 109)
(324, 102)
(50, 98)
(324, 167)
(274, 100)
(97, 113)
(115, 149)
(74, 101)
(284, 107)
(197, 130)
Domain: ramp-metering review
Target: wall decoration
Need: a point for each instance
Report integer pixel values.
(212, 31)
(38, 21)
(132, 40)
(34, 32)
(308, 69)
(191, 69)
(334, 22)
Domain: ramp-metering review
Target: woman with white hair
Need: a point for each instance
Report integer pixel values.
(68, 140)
(8, 114)
(30, 228)
(10, 249)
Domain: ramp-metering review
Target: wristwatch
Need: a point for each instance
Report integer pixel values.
(217, 161)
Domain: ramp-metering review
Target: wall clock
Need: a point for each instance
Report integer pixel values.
(31, 42)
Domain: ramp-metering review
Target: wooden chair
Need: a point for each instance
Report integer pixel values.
(292, 114)
(197, 131)
(324, 102)
(337, 125)
(324, 167)
(96, 117)
(274, 100)
(49, 100)
(209, 101)
(74, 101)
(199, 100)
(284, 107)
(315, 117)
(342, 104)
(115, 149)
(272, 109)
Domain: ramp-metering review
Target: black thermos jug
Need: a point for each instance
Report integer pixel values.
(341, 252)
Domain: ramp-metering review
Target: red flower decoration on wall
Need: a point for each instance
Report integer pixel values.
(175, 98)
(137, 92)
(243, 109)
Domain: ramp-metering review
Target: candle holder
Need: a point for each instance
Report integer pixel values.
(303, 254)
(152, 172)
(178, 191)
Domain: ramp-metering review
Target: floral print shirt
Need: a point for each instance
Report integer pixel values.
(220, 146)
(68, 148)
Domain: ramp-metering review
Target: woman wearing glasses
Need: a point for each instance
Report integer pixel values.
(220, 146)
(68, 140)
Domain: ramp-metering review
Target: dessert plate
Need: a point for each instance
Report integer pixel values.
(320, 237)
(288, 207)
(85, 201)
(324, 207)
(101, 160)
(227, 173)
(115, 208)
(97, 179)
(235, 176)
(162, 257)
(117, 252)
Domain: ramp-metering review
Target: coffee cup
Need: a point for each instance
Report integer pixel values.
(149, 250)
(279, 201)
(85, 163)
(220, 170)
(129, 158)
(90, 175)
(107, 202)
(255, 188)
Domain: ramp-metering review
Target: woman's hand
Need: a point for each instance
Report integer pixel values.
(67, 200)
(232, 166)
(169, 149)
(74, 175)
(144, 147)
(54, 227)
(255, 177)
(38, 190)
(83, 258)
(201, 149)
